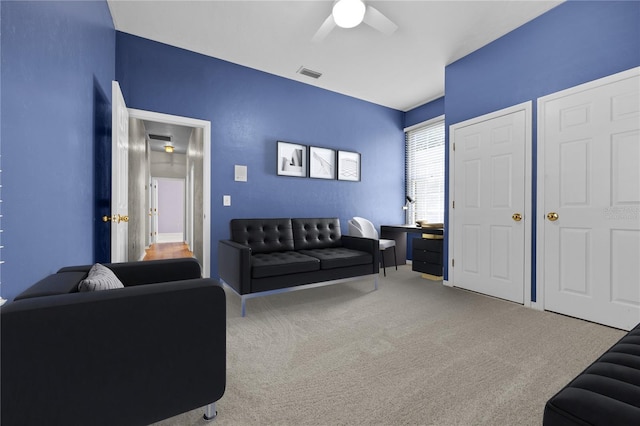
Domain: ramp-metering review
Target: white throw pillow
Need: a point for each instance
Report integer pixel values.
(100, 278)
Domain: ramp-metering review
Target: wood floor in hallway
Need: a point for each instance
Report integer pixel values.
(167, 251)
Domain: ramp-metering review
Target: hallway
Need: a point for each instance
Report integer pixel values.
(167, 251)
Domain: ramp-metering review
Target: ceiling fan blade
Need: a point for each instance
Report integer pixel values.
(324, 30)
(375, 19)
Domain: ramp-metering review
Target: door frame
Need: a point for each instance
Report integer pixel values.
(206, 175)
(529, 220)
(540, 153)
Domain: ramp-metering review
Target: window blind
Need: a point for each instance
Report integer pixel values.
(424, 169)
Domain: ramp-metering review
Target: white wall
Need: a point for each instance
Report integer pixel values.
(168, 165)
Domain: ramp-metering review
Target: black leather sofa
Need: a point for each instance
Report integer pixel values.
(128, 356)
(606, 393)
(264, 256)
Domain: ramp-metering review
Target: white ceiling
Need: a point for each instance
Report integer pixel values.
(400, 71)
(180, 136)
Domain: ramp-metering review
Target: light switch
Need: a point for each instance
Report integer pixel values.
(226, 200)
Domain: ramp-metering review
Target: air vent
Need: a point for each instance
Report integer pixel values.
(309, 73)
(163, 138)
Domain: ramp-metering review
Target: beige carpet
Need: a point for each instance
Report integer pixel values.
(412, 353)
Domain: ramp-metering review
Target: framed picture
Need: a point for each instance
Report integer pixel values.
(349, 166)
(322, 163)
(292, 159)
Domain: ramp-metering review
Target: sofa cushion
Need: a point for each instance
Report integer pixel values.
(100, 278)
(282, 263)
(316, 233)
(263, 235)
(339, 257)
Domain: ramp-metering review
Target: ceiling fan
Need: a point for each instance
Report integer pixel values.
(349, 14)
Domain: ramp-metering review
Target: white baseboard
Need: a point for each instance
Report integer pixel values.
(537, 306)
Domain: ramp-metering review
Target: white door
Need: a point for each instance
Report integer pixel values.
(119, 176)
(589, 200)
(489, 217)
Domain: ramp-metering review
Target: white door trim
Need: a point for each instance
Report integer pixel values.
(206, 185)
(527, 107)
(540, 194)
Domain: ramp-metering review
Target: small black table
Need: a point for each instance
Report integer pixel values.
(399, 234)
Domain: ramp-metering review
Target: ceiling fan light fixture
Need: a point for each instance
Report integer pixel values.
(348, 13)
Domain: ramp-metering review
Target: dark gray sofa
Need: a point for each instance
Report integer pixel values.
(605, 393)
(128, 356)
(264, 256)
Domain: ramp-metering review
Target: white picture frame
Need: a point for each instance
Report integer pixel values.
(292, 159)
(322, 163)
(349, 166)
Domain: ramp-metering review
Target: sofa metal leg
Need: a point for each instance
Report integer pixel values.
(245, 297)
(210, 412)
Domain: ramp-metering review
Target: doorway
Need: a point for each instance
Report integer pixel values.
(169, 148)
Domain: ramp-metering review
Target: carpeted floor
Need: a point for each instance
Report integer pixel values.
(412, 353)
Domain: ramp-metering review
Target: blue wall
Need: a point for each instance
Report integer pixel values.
(576, 42)
(424, 112)
(58, 59)
(573, 43)
(55, 57)
(249, 111)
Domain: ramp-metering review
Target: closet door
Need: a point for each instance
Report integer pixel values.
(589, 200)
(488, 218)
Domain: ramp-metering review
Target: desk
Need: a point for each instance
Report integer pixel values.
(399, 234)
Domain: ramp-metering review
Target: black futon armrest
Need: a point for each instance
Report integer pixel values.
(606, 393)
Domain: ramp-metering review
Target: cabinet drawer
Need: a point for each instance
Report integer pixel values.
(427, 256)
(427, 268)
(427, 244)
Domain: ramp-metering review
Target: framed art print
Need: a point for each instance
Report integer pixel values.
(349, 166)
(292, 159)
(322, 163)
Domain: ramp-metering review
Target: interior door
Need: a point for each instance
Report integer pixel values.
(488, 215)
(119, 176)
(589, 140)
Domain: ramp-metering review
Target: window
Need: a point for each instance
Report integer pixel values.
(424, 170)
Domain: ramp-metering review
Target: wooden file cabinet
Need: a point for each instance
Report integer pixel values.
(427, 256)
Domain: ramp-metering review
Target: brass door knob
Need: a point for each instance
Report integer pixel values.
(123, 218)
(553, 216)
(115, 218)
(517, 217)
